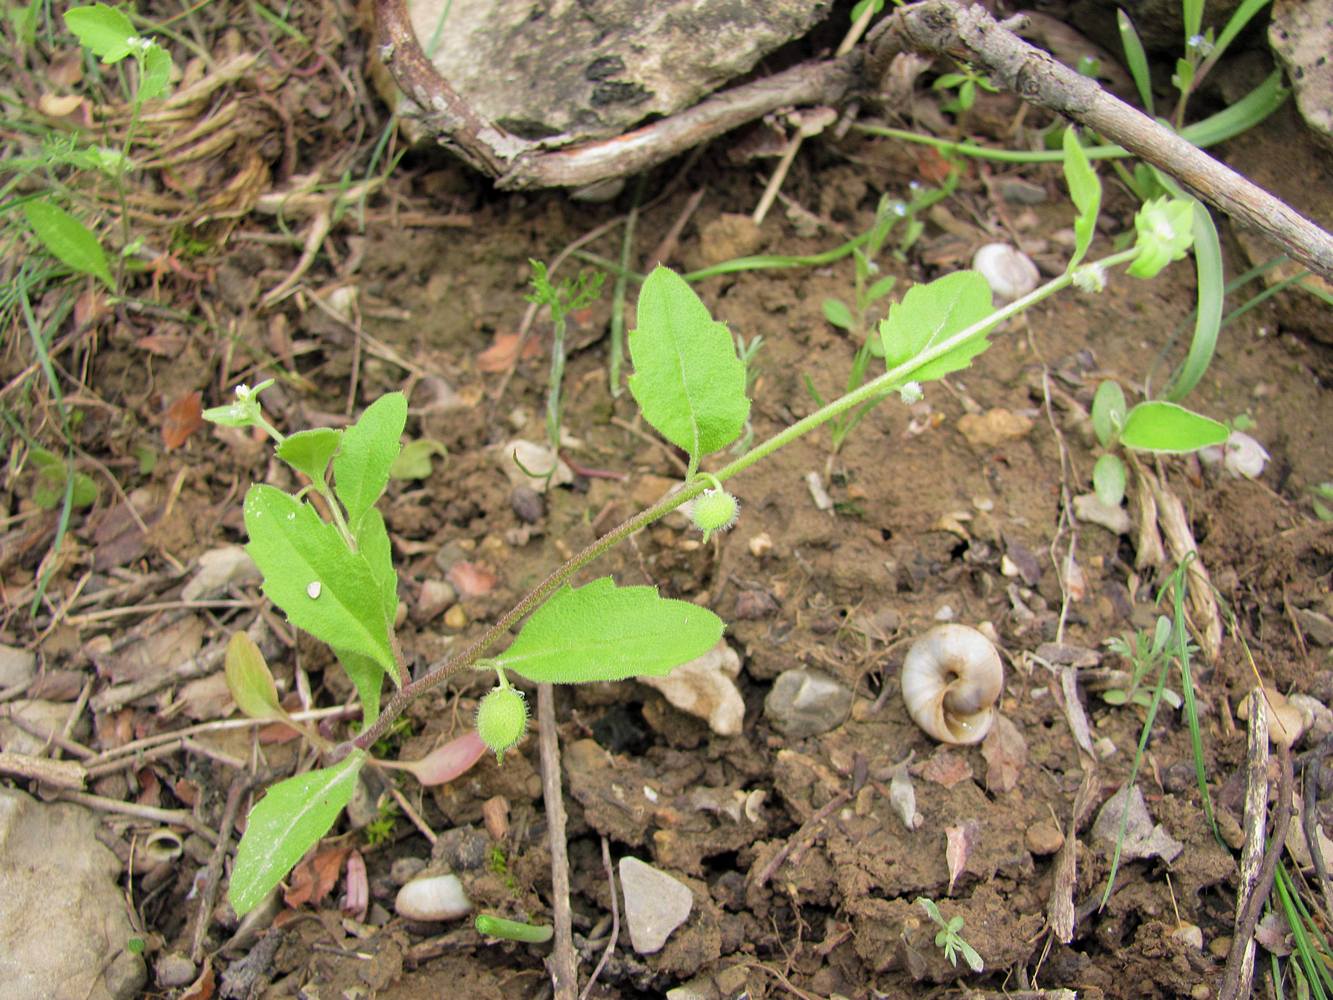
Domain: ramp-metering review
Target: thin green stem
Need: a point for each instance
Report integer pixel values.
(692, 488)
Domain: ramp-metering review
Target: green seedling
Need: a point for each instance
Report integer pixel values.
(1177, 652)
(1153, 426)
(512, 930)
(54, 479)
(870, 289)
(950, 937)
(569, 296)
(1323, 500)
(328, 565)
(380, 829)
(1146, 654)
(965, 83)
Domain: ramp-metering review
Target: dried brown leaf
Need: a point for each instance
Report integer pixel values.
(946, 767)
(958, 848)
(1006, 754)
(182, 419)
(315, 877)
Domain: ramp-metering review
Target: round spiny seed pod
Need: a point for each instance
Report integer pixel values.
(502, 718)
(715, 510)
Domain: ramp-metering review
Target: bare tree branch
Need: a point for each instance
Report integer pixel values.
(942, 27)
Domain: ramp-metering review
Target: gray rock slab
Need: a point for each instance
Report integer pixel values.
(655, 904)
(564, 71)
(806, 703)
(17, 666)
(64, 928)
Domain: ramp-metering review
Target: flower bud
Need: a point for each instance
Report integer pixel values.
(502, 719)
(715, 510)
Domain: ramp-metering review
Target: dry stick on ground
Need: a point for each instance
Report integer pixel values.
(1311, 768)
(1256, 875)
(204, 913)
(615, 920)
(944, 28)
(563, 964)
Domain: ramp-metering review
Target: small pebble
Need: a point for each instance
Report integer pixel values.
(527, 504)
(434, 897)
(173, 970)
(456, 617)
(1009, 272)
(760, 545)
(655, 904)
(1043, 838)
(436, 595)
(806, 703)
(404, 870)
(1189, 934)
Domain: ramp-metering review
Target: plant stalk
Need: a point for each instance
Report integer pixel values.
(692, 488)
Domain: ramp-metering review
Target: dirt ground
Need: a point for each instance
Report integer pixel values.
(810, 888)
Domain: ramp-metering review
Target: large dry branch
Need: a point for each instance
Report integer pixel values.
(941, 27)
(937, 27)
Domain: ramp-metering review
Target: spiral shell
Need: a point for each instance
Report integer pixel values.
(951, 680)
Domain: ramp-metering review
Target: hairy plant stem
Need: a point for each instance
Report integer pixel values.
(891, 379)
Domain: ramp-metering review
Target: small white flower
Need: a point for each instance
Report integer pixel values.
(911, 393)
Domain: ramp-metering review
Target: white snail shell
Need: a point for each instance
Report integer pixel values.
(951, 680)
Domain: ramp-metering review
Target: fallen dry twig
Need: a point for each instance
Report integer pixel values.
(943, 27)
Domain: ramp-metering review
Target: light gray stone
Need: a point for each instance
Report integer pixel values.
(1300, 36)
(655, 904)
(806, 703)
(17, 666)
(64, 928)
(563, 71)
(704, 687)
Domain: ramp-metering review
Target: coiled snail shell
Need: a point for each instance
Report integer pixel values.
(951, 680)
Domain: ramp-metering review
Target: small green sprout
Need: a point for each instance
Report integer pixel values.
(512, 930)
(1146, 655)
(950, 937)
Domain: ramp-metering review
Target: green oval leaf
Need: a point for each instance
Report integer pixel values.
(601, 632)
(1108, 411)
(1108, 480)
(1169, 428)
(68, 240)
(155, 69)
(1086, 192)
(930, 314)
(837, 313)
(249, 680)
(309, 572)
(687, 379)
(361, 470)
(414, 461)
(105, 31)
(309, 451)
(286, 823)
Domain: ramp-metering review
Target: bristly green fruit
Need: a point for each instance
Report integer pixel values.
(502, 719)
(715, 510)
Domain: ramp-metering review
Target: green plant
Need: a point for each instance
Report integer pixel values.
(569, 296)
(1153, 426)
(512, 930)
(950, 937)
(380, 829)
(329, 566)
(1178, 650)
(966, 81)
(1146, 654)
(1323, 500)
(869, 289)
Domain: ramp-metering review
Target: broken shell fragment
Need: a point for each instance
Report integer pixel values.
(951, 680)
